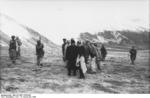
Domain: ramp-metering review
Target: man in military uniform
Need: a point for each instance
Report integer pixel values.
(133, 53)
(39, 52)
(12, 49)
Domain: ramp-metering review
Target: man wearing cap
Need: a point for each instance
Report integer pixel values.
(39, 52)
(18, 49)
(12, 49)
(63, 48)
(71, 56)
(133, 53)
(103, 52)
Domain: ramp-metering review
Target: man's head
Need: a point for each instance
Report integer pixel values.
(39, 42)
(72, 42)
(17, 38)
(13, 37)
(64, 40)
(78, 43)
(67, 41)
(95, 44)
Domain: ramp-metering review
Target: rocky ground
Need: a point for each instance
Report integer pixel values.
(117, 75)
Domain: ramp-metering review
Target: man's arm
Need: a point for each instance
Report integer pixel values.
(63, 49)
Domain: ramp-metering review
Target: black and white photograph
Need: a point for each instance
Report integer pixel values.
(74, 47)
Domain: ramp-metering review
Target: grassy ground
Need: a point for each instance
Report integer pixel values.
(117, 75)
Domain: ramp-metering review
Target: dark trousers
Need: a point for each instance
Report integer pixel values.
(98, 64)
(18, 53)
(39, 59)
(81, 73)
(103, 57)
(12, 55)
(72, 67)
(132, 57)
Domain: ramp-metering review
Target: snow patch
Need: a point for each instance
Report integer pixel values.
(102, 39)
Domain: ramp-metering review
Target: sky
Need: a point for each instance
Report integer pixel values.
(67, 18)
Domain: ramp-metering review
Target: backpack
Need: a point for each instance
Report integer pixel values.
(19, 42)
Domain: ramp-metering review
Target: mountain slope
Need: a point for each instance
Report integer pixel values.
(28, 36)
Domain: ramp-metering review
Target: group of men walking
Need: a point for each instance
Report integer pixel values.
(82, 56)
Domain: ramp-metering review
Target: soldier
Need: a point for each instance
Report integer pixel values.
(63, 48)
(81, 60)
(87, 53)
(18, 49)
(71, 56)
(133, 53)
(98, 56)
(39, 52)
(12, 49)
(91, 63)
(103, 52)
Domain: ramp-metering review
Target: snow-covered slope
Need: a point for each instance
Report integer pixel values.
(105, 37)
(28, 36)
(114, 37)
(120, 38)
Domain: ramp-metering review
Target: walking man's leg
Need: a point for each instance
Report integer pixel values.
(69, 68)
(38, 60)
(98, 64)
(74, 68)
(81, 73)
(69, 71)
(132, 60)
(14, 53)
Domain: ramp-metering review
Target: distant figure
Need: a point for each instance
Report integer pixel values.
(18, 49)
(93, 58)
(98, 56)
(87, 52)
(63, 48)
(103, 52)
(12, 49)
(39, 52)
(81, 60)
(71, 55)
(133, 53)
